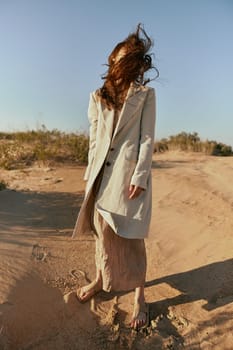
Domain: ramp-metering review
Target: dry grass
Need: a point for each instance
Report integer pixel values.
(192, 142)
(20, 149)
(24, 148)
(3, 185)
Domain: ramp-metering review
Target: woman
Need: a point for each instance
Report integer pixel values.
(117, 203)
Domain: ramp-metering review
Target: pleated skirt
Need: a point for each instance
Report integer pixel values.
(122, 261)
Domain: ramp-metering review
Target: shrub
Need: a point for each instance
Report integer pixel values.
(220, 149)
(192, 142)
(2, 185)
(23, 148)
(160, 146)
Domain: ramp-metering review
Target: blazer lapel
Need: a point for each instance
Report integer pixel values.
(134, 98)
(108, 118)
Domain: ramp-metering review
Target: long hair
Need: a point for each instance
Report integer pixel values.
(130, 68)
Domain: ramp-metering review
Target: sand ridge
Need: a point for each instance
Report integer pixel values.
(190, 264)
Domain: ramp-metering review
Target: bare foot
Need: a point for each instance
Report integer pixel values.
(87, 292)
(140, 316)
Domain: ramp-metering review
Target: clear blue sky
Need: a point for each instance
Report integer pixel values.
(52, 55)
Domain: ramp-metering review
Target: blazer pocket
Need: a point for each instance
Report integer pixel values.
(131, 156)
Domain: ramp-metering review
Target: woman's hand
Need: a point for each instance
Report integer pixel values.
(134, 191)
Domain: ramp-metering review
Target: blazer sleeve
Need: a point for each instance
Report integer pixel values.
(93, 119)
(146, 144)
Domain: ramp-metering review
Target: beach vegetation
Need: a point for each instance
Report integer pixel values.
(24, 148)
(3, 185)
(191, 142)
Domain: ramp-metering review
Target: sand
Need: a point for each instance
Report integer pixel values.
(190, 261)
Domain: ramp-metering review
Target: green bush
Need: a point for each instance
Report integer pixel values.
(160, 146)
(219, 149)
(2, 185)
(23, 148)
(192, 142)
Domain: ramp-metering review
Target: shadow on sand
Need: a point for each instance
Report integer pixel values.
(213, 283)
(167, 164)
(29, 214)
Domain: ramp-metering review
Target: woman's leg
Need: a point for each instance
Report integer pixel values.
(140, 312)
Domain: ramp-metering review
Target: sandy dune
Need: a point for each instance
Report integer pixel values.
(190, 262)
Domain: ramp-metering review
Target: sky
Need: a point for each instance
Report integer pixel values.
(53, 54)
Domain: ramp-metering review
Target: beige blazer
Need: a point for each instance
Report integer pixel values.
(126, 155)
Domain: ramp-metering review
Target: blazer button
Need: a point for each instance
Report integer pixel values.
(108, 163)
(112, 149)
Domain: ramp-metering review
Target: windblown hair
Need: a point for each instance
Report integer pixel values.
(130, 68)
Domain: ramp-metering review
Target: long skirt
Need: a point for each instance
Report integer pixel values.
(122, 261)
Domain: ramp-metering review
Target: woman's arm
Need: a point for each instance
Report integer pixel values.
(93, 118)
(146, 146)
